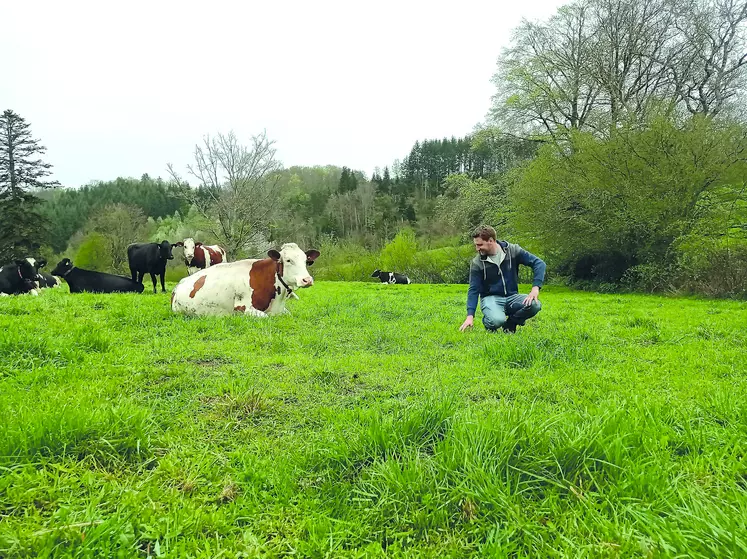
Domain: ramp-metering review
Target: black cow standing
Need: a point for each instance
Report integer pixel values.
(149, 258)
(18, 277)
(390, 277)
(94, 282)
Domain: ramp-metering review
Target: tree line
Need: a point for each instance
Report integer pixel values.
(614, 147)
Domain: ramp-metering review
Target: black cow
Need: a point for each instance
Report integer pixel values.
(94, 282)
(18, 277)
(390, 277)
(149, 258)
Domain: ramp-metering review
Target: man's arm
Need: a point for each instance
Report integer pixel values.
(538, 267)
(473, 294)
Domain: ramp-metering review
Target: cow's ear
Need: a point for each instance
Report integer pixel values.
(41, 263)
(312, 255)
(274, 254)
(179, 244)
(21, 262)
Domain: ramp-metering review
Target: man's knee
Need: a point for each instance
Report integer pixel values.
(534, 308)
(493, 320)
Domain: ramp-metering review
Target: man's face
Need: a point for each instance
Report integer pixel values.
(486, 248)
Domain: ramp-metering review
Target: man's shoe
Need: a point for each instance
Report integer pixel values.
(509, 327)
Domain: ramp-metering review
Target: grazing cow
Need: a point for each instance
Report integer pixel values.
(94, 282)
(390, 277)
(253, 287)
(18, 277)
(198, 256)
(149, 258)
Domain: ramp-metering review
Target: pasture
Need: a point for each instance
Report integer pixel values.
(367, 425)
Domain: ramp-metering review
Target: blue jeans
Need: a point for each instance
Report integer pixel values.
(497, 309)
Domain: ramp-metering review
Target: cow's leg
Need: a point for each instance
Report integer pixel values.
(140, 276)
(155, 282)
(163, 282)
(133, 273)
(241, 307)
(251, 311)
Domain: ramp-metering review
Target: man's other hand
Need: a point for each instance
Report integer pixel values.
(532, 297)
(467, 323)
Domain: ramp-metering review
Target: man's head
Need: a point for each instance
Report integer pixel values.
(485, 241)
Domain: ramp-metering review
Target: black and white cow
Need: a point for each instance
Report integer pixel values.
(94, 282)
(43, 279)
(390, 277)
(150, 258)
(18, 277)
(48, 280)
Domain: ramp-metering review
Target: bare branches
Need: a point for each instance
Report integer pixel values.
(598, 63)
(543, 79)
(237, 190)
(709, 71)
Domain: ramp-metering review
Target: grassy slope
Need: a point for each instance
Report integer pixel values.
(367, 425)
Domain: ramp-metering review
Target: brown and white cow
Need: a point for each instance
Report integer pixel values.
(198, 256)
(254, 287)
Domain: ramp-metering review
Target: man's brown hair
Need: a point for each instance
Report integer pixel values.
(485, 232)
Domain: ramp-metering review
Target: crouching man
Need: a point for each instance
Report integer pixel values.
(494, 278)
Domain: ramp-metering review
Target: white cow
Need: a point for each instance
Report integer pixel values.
(254, 287)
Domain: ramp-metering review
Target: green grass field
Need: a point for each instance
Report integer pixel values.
(367, 425)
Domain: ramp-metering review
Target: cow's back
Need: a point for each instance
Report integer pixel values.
(7, 275)
(213, 290)
(89, 281)
(145, 257)
(142, 252)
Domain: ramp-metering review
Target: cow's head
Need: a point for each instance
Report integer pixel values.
(376, 273)
(294, 262)
(26, 270)
(189, 249)
(37, 265)
(63, 267)
(165, 250)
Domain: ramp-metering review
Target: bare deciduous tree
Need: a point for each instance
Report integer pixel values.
(709, 71)
(544, 78)
(598, 63)
(634, 43)
(237, 192)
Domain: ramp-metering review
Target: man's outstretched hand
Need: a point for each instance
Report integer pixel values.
(467, 323)
(532, 297)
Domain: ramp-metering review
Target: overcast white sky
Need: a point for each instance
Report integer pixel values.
(122, 90)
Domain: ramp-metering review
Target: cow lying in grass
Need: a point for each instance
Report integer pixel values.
(18, 277)
(43, 279)
(390, 277)
(254, 287)
(94, 282)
